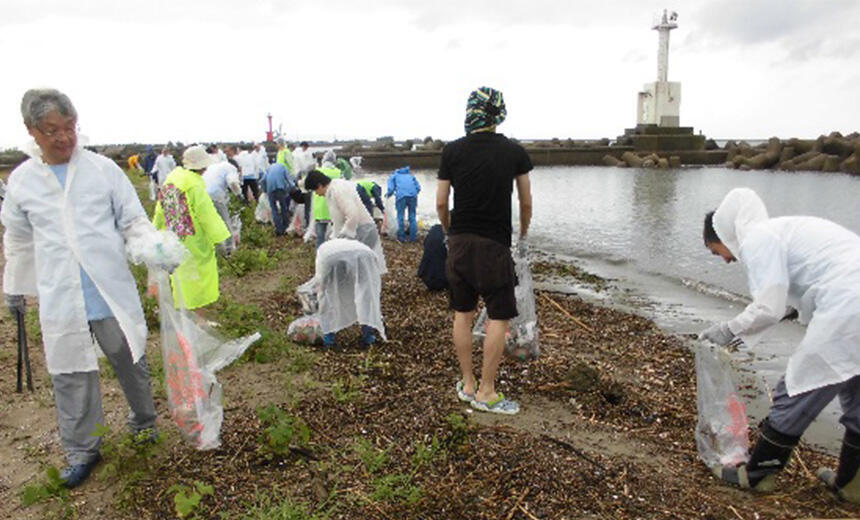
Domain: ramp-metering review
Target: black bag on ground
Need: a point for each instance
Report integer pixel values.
(432, 267)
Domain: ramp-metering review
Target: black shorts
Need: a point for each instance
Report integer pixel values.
(479, 266)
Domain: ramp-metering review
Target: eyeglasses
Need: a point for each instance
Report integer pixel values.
(60, 132)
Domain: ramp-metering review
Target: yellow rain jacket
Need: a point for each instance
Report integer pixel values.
(185, 208)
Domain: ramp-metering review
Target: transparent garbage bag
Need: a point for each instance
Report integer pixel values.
(236, 225)
(722, 431)
(192, 353)
(306, 330)
(297, 223)
(263, 212)
(153, 190)
(389, 221)
(521, 339)
(308, 294)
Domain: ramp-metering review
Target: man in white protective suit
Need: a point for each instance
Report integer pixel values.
(812, 265)
(69, 217)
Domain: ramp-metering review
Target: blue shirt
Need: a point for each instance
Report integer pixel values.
(403, 183)
(97, 307)
(278, 178)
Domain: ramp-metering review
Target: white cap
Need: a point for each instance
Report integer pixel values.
(196, 158)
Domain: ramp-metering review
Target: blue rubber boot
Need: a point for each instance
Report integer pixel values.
(368, 336)
(75, 475)
(330, 341)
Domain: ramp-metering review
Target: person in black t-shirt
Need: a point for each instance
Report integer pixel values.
(482, 168)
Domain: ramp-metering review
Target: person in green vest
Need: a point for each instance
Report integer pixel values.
(322, 218)
(185, 208)
(344, 167)
(368, 189)
(285, 157)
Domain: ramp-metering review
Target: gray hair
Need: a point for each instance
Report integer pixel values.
(38, 102)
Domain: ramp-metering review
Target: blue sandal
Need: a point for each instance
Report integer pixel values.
(497, 405)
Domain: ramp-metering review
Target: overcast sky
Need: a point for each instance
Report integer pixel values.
(159, 70)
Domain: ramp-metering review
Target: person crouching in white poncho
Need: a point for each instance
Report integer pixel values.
(350, 285)
(812, 265)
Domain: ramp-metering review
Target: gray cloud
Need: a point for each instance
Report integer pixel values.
(804, 29)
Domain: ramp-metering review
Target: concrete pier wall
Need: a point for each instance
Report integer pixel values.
(591, 156)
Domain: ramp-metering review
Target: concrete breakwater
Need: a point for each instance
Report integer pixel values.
(831, 153)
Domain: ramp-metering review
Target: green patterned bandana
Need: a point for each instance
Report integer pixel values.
(485, 108)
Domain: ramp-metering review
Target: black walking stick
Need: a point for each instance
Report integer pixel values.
(23, 353)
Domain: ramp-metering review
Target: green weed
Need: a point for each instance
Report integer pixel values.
(301, 359)
(396, 487)
(348, 389)
(31, 323)
(237, 319)
(126, 454)
(458, 430)
(373, 459)
(281, 431)
(52, 487)
(267, 507)
(426, 454)
(186, 499)
(246, 260)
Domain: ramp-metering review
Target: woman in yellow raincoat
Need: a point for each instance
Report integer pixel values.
(185, 208)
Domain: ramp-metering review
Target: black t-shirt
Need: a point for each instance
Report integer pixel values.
(482, 167)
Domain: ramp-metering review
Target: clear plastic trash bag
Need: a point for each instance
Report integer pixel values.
(263, 212)
(297, 222)
(306, 330)
(722, 431)
(308, 294)
(389, 221)
(153, 190)
(236, 228)
(192, 354)
(521, 339)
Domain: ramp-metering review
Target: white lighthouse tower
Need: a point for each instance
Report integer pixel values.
(660, 102)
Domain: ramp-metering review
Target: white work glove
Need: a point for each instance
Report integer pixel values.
(16, 303)
(522, 247)
(718, 333)
(168, 255)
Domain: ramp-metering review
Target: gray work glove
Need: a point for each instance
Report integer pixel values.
(16, 303)
(718, 333)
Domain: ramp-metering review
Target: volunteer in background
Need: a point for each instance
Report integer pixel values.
(221, 178)
(185, 208)
(278, 184)
(405, 187)
(368, 189)
(321, 215)
(164, 164)
(350, 286)
(348, 215)
(248, 170)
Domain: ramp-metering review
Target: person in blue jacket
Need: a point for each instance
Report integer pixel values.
(278, 183)
(406, 188)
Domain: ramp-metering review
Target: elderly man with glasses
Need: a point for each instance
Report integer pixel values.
(69, 217)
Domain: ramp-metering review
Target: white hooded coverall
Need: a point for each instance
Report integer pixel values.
(808, 263)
